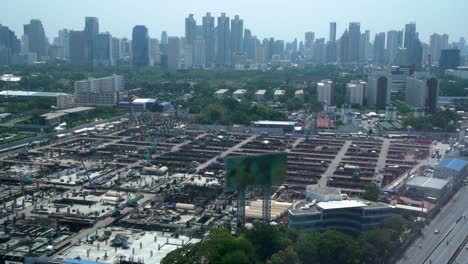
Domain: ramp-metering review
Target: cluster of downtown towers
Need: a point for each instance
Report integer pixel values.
(224, 44)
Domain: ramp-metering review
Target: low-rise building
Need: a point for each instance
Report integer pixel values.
(238, 94)
(221, 93)
(421, 187)
(329, 210)
(451, 168)
(260, 95)
(278, 94)
(299, 95)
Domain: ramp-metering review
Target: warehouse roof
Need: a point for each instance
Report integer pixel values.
(427, 182)
(30, 93)
(274, 123)
(453, 164)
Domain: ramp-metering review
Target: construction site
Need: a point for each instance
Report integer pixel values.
(101, 193)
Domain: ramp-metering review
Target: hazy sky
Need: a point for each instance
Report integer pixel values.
(278, 18)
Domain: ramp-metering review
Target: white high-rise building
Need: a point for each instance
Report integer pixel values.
(102, 91)
(422, 91)
(378, 92)
(325, 92)
(355, 91)
(154, 51)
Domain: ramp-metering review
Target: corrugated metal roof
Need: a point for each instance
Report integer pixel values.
(275, 123)
(427, 182)
(453, 164)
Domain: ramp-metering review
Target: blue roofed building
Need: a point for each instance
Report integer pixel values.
(451, 168)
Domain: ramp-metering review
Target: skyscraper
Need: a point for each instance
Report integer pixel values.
(410, 34)
(90, 32)
(413, 45)
(354, 40)
(435, 46)
(77, 52)
(154, 51)
(344, 47)
(394, 42)
(208, 35)
(190, 29)
(309, 38)
(9, 45)
(379, 48)
(63, 40)
(102, 50)
(199, 53)
(224, 43)
(116, 50)
(378, 92)
(422, 90)
(164, 38)
(140, 43)
(332, 36)
(237, 33)
(9, 40)
(173, 53)
(37, 43)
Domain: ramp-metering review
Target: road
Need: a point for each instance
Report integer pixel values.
(433, 248)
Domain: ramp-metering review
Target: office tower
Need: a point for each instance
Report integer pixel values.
(116, 50)
(435, 46)
(224, 45)
(209, 36)
(332, 36)
(422, 91)
(90, 32)
(9, 40)
(102, 50)
(378, 92)
(164, 38)
(332, 52)
(365, 47)
(344, 48)
(354, 41)
(413, 45)
(271, 49)
(444, 41)
(325, 92)
(394, 39)
(319, 51)
(173, 53)
(278, 48)
(199, 49)
(190, 29)
(410, 34)
(246, 44)
(379, 48)
(449, 59)
(140, 49)
(63, 40)
(154, 51)
(309, 38)
(355, 92)
(102, 91)
(237, 34)
(37, 43)
(125, 49)
(185, 54)
(77, 51)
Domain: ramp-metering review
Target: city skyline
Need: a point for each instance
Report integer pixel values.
(288, 23)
